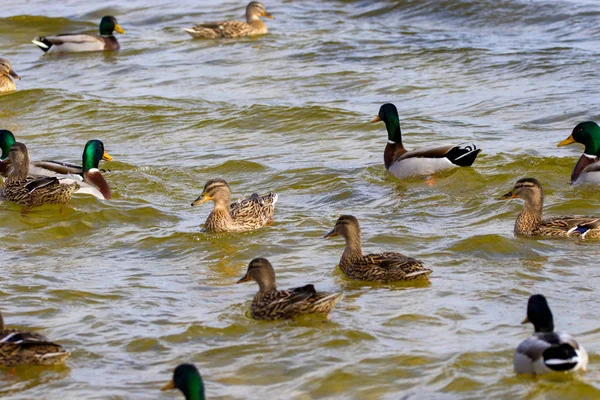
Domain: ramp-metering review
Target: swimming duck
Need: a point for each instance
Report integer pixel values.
(79, 42)
(587, 168)
(88, 176)
(187, 379)
(244, 215)
(383, 267)
(270, 303)
(21, 188)
(20, 347)
(7, 74)
(420, 162)
(530, 222)
(230, 29)
(546, 350)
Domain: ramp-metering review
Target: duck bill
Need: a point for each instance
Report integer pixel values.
(14, 74)
(376, 119)
(107, 157)
(330, 234)
(525, 321)
(509, 195)
(169, 386)
(268, 15)
(203, 198)
(119, 29)
(245, 278)
(566, 142)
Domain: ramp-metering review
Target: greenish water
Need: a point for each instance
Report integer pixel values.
(133, 288)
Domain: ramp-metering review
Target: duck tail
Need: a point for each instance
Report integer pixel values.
(42, 43)
(561, 358)
(463, 155)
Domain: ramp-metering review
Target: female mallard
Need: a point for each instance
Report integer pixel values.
(88, 176)
(78, 42)
(546, 350)
(230, 29)
(530, 222)
(384, 267)
(187, 379)
(21, 188)
(270, 303)
(19, 347)
(420, 162)
(244, 215)
(587, 168)
(6, 76)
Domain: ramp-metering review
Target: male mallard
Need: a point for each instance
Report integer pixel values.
(78, 42)
(270, 303)
(546, 350)
(587, 168)
(383, 267)
(6, 74)
(230, 29)
(244, 215)
(23, 189)
(187, 379)
(420, 162)
(89, 176)
(18, 347)
(530, 222)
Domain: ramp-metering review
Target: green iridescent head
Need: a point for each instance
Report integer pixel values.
(588, 134)
(7, 139)
(388, 113)
(187, 379)
(93, 152)
(108, 25)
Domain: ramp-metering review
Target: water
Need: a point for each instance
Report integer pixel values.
(133, 288)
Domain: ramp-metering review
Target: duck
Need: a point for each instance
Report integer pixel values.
(88, 175)
(187, 379)
(530, 223)
(404, 164)
(232, 29)
(80, 42)
(546, 350)
(272, 304)
(382, 267)
(7, 76)
(23, 189)
(587, 169)
(30, 348)
(246, 214)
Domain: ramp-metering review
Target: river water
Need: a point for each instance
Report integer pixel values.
(133, 287)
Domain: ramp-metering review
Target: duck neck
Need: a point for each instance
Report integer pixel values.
(394, 148)
(584, 161)
(6, 84)
(353, 246)
(266, 286)
(530, 217)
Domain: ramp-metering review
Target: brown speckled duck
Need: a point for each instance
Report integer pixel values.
(383, 267)
(244, 215)
(21, 188)
(270, 303)
(231, 29)
(7, 84)
(530, 222)
(20, 347)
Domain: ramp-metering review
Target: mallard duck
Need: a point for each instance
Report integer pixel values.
(187, 379)
(270, 303)
(19, 347)
(587, 168)
(530, 222)
(383, 267)
(6, 76)
(23, 189)
(546, 350)
(78, 42)
(230, 29)
(244, 215)
(420, 162)
(88, 176)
